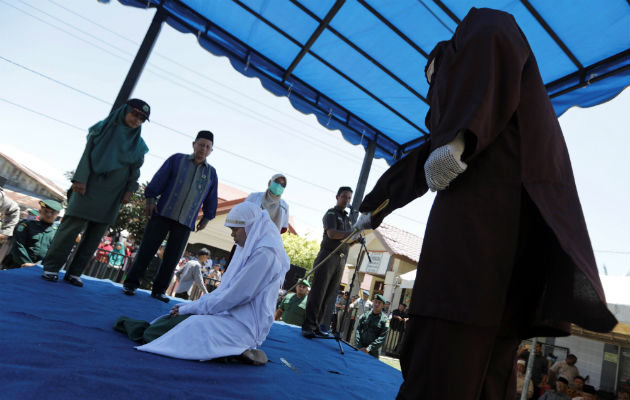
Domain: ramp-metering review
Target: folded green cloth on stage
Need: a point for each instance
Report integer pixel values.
(143, 332)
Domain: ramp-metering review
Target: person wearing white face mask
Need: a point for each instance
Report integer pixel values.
(270, 200)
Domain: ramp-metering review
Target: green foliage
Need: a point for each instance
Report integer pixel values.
(131, 216)
(301, 251)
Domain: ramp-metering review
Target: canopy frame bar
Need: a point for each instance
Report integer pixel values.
(332, 67)
(553, 34)
(391, 26)
(447, 11)
(361, 51)
(362, 181)
(315, 104)
(581, 76)
(320, 28)
(140, 60)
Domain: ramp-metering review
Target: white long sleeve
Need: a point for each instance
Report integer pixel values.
(242, 288)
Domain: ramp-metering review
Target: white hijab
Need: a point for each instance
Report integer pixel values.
(271, 202)
(261, 232)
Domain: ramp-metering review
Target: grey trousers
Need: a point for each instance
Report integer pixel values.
(64, 240)
(323, 288)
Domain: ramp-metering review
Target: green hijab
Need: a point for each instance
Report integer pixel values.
(114, 144)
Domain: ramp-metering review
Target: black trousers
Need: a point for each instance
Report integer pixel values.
(324, 288)
(155, 232)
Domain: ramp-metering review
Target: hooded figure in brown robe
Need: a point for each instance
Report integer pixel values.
(506, 253)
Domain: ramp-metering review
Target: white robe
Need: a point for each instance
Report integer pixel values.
(233, 318)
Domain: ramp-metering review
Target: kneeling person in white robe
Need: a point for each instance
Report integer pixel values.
(235, 318)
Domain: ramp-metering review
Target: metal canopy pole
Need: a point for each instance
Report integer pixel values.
(363, 177)
(141, 59)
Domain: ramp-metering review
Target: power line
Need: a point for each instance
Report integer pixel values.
(161, 76)
(68, 86)
(264, 119)
(159, 157)
(195, 72)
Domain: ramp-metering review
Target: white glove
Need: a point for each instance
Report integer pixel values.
(444, 164)
(363, 222)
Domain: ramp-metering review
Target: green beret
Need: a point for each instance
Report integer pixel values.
(380, 297)
(304, 282)
(33, 211)
(52, 204)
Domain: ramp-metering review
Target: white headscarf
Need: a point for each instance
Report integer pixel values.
(261, 232)
(271, 202)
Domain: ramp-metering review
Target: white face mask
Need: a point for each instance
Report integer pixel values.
(430, 70)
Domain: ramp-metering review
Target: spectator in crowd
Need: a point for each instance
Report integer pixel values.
(31, 239)
(214, 277)
(340, 305)
(352, 317)
(520, 380)
(362, 306)
(9, 217)
(623, 395)
(399, 316)
(117, 255)
(31, 214)
(270, 200)
(236, 318)
(326, 279)
(154, 265)
(562, 385)
(587, 392)
(183, 185)
(104, 249)
(575, 388)
(386, 308)
(190, 274)
(507, 209)
(293, 307)
(540, 367)
(105, 178)
(372, 328)
(565, 368)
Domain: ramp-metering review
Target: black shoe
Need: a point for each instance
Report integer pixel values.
(128, 290)
(160, 296)
(73, 280)
(308, 333)
(321, 333)
(50, 276)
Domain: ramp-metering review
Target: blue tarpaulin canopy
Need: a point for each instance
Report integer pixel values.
(358, 65)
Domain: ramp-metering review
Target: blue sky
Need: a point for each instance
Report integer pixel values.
(62, 63)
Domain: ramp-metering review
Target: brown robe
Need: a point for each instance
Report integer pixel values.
(487, 83)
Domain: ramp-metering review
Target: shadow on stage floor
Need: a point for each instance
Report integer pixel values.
(57, 342)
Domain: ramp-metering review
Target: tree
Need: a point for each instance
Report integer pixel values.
(131, 216)
(301, 252)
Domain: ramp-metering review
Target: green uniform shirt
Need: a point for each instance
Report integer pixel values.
(339, 220)
(371, 332)
(293, 309)
(31, 240)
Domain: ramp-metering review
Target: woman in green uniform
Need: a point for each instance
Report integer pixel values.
(106, 176)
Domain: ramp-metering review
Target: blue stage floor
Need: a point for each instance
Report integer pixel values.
(57, 342)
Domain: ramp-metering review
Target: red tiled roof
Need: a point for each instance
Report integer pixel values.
(399, 243)
(228, 193)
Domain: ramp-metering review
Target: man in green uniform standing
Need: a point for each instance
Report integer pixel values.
(31, 239)
(105, 178)
(293, 306)
(327, 277)
(372, 328)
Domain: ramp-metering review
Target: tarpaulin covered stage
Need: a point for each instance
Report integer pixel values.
(57, 342)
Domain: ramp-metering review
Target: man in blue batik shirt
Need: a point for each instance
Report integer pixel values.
(183, 185)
